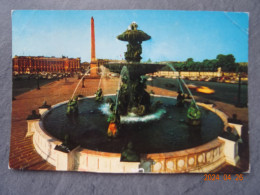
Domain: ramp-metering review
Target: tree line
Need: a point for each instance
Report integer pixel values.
(226, 62)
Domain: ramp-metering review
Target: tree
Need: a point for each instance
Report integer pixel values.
(206, 65)
(226, 62)
(189, 64)
(189, 61)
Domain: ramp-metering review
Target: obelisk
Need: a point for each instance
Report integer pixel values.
(93, 62)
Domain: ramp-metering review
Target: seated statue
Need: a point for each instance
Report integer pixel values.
(99, 95)
(193, 114)
(114, 121)
(45, 105)
(129, 155)
(230, 134)
(123, 99)
(180, 99)
(111, 104)
(72, 106)
(33, 116)
(112, 129)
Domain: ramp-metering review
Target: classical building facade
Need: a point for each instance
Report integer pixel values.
(34, 64)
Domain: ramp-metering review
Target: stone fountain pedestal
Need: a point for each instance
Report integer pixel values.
(230, 151)
(31, 126)
(65, 160)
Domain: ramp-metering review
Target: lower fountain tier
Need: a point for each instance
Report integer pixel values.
(162, 131)
(135, 69)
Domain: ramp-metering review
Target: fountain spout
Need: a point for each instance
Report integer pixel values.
(81, 81)
(179, 79)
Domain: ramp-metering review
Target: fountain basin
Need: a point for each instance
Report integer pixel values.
(164, 130)
(201, 158)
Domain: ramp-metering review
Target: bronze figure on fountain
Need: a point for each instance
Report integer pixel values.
(99, 95)
(180, 99)
(194, 114)
(132, 94)
(72, 106)
(134, 38)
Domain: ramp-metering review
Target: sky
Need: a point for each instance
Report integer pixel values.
(176, 35)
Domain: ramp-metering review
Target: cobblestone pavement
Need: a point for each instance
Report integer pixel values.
(22, 153)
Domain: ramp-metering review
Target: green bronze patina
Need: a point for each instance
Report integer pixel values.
(129, 154)
(72, 106)
(99, 95)
(33, 116)
(134, 38)
(193, 114)
(180, 99)
(132, 96)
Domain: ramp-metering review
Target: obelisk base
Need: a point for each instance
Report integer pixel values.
(94, 71)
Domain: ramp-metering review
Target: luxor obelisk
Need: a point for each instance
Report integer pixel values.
(93, 62)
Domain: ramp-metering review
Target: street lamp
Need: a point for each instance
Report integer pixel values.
(65, 77)
(37, 78)
(83, 86)
(239, 91)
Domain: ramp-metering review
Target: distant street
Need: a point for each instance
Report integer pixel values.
(25, 85)
(224, 92)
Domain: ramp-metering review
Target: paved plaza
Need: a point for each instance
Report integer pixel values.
(22, 153)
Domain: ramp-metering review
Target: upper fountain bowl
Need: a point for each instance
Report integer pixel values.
(134, 35)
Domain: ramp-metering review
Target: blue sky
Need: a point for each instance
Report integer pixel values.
(176, 35)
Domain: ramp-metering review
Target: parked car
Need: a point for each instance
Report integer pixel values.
(193, 78)
(192, 86)
(54, 75)
(205, 90)
(234, 81)
(203, 78)
(44, 75)
(49, 76)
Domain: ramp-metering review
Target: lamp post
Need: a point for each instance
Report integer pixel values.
(83, 86)
(65, 77)
(37, 78)
(239, 91)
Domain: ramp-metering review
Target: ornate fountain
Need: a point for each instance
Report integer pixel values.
(150, 134)
(132, 94)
